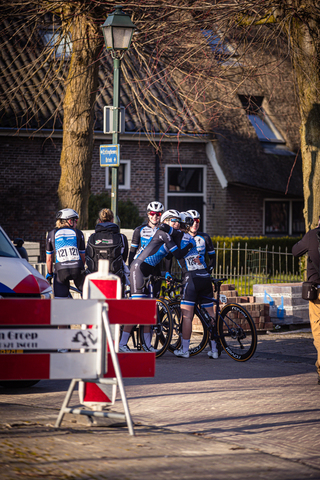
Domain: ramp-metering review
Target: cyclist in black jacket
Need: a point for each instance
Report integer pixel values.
(310, 245)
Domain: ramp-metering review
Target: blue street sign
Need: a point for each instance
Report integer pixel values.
(109, 155)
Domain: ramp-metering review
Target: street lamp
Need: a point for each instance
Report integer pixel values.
(117, 31)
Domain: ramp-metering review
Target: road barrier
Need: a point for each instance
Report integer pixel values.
(34, 331)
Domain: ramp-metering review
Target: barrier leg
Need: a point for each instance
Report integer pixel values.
(117, 371)
(65, 402)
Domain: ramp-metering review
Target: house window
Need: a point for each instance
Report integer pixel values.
(60, 44)
(283, 217)
(271, 140)
(220, 48)
(185, 188)
(123, 176)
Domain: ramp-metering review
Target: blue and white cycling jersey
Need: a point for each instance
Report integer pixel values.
(66, 244)
(141, 237)
(191, 261)
(205, 245)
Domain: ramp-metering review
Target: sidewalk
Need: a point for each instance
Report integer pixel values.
(198, 418)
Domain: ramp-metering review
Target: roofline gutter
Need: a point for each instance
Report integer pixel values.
(98, 135)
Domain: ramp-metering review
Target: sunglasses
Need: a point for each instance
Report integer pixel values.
(173, 220)
(155, 213)
(197, 220)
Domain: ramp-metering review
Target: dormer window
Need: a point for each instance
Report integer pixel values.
(61, 45)
(270, 138)
(220, 48)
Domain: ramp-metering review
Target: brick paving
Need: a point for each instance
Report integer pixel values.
(198, 418)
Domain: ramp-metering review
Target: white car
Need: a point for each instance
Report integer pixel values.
(19, 280)
(17, 277)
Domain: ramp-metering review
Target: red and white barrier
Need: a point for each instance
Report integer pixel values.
(106, 286)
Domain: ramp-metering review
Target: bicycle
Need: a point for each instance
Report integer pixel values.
(232, 327)
(161, 332)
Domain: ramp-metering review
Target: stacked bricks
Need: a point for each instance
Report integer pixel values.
(296, 310)
(259, 311)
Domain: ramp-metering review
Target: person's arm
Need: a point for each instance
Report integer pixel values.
(49, 262)
(135, 242)
(168, 263)
(82, 247)
(211, 253)
(300, 248)
(49, 257)
(125, 247)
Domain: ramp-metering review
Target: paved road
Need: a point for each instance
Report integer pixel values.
(198, 418)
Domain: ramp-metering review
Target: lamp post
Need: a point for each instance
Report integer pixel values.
(117, 31)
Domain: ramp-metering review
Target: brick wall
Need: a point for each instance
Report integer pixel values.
(30, 173)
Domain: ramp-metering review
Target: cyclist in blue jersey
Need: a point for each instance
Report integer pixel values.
(204, 243)
(161, 244)
(206, 250)
(143, 234)
(196, 282)
(66, 244)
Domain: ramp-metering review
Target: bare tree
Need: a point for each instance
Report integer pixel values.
(173, 50)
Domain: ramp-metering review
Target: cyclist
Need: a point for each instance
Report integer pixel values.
(160, 245)
(205, 248)
(66, 244)
(108, 243)
(196, 281)
(143, 234)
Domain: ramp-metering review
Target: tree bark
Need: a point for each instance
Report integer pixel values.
(305, 42)
(80, 94)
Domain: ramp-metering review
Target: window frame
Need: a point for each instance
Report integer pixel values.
(60, 49)
(202, 194)
(127, 176)
(290, 215)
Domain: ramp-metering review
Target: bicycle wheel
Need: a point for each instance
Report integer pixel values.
(176, 333)
(161, 333)
(237, 332)
(200, 335)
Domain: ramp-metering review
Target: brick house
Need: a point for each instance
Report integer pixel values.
(243, 173)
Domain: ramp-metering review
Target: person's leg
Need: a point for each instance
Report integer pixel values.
(136, 281)
(187, 315)
(60, 289)
(314, 312)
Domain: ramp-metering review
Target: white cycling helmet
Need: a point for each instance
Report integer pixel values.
(194, 214)
(66, 214)
(186, 218)
(170, 214)
(155, 207)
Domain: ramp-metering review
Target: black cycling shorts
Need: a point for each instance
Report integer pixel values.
(61, 281)
(197, 286)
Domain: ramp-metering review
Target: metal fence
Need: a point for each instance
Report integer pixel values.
(245, 267)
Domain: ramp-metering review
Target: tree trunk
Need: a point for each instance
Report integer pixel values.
(78, 106)
(305, 41)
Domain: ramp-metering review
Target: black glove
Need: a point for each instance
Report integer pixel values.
(49, 277)
(164, 227)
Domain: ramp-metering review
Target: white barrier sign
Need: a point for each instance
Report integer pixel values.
(50, 339)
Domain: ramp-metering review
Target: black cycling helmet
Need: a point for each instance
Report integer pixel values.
(66, 214)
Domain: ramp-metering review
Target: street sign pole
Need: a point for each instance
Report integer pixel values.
(115, 137)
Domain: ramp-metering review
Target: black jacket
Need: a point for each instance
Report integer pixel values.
(310, 244)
